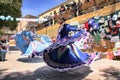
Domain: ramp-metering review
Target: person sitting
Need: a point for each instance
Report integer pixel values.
(2, 52)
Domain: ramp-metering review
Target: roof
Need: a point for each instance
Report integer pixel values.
(30, 16)
(55, 7)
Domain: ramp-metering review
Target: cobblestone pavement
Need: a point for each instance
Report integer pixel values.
(19, 67)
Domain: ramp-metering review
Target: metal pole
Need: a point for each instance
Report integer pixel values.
(7, 42)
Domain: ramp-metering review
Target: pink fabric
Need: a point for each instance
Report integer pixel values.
(85, 40)
(110, 55)
(116, 53)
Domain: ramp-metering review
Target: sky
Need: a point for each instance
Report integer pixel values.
(36, 7)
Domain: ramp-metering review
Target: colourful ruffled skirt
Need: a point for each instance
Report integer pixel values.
(32, 48)
(65, 55)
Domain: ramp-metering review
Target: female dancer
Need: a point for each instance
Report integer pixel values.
(26, 43)
(64, 54)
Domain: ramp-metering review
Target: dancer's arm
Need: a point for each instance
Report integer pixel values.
(72, 28)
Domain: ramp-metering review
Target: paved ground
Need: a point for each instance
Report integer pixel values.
(18, 67)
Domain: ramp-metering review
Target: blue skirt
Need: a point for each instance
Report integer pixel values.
(65, 54)
(65, 57)
(31, 46)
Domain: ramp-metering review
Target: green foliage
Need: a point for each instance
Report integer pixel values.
(12, 8)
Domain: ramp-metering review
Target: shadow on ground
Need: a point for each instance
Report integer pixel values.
(33, 60)
(46, 73)
(2, 70)
(111, 73)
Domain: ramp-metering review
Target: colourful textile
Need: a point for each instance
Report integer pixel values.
(86, 26)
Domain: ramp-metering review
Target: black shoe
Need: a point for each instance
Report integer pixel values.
(4, 59)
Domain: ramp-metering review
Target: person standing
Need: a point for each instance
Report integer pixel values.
(2, 52)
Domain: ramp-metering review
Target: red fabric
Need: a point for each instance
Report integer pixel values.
(114, 32)
(118, 23)
(53, 40)
(86, 26)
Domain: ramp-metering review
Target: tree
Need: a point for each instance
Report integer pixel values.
(12, 8)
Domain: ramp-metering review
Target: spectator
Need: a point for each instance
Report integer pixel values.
(2, 52)
(87, 1)
(79, 7)
(54, 17)
(74, 9)
(46, 23)
(62, 9)
(68, 7)
(50, 19)
(3, 40)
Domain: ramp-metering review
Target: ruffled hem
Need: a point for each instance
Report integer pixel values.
(62, 67)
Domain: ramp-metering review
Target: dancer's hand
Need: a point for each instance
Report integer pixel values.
(78, 29)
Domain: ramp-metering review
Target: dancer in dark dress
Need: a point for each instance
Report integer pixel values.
(64, 54)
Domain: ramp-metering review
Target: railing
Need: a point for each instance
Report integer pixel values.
(84, 8)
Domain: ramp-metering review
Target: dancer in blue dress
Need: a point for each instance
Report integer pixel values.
(64, 54)
(29, 46)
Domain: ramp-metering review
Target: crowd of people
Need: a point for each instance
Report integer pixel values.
(72, 9)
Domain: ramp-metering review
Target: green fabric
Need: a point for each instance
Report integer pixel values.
(97, 37)
(96, 20)
(105, 17)
(76, 26)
